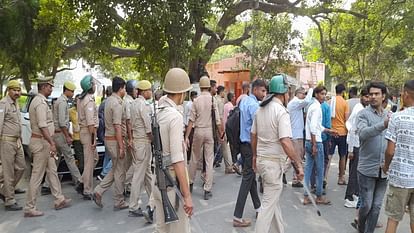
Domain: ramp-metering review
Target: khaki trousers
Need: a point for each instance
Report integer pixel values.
(90, 157)
(42, 162)
(203, 139)
(228, 162)
(13, 165)
(115, 176)
(64, 149)
(181, 226)
(141, 163)
(270, 216)
(128, 165)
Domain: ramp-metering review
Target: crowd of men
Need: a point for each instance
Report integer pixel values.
(276, 132)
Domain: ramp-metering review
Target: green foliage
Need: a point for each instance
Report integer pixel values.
(359, 50)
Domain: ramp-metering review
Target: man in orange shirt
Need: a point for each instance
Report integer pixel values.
(340, 114)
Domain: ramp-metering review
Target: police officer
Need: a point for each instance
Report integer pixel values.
(88, 123)
(142, 137)
(271, 142)
(11, 151)
(170, 120)
(43, 150)
(62, 138)
(201, 118)
(114, 143)
(126, 129)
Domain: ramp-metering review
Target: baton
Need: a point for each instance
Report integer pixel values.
(305, 186)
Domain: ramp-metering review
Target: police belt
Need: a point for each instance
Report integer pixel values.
(273, 159)
(9, 138)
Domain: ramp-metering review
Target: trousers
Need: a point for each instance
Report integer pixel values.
(270, 217)
(248, 184)
(90, 157)
(203, 139)
(115, 176)
(13, 165)
(42, 162)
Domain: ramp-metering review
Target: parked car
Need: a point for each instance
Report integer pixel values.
(63, 170)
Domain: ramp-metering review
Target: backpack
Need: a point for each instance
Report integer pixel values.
(233, 130)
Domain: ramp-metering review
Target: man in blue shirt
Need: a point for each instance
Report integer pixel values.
(248, 108)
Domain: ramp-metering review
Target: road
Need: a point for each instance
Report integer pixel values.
(214, 215)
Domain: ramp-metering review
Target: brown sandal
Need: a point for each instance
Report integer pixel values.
(306, 201)
(323, 201)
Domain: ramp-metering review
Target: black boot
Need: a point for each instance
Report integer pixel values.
(148, 214)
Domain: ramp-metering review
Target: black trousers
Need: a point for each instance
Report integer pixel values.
(353, 187)
(248, 184)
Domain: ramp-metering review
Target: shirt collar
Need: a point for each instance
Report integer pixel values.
(253, 97)
(10, 100)
(42, 96)
(167, 102)
(65, 97)
(375, 111)
(117, 97)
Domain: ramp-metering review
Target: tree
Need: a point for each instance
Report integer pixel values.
(362, 49)
(41, 35)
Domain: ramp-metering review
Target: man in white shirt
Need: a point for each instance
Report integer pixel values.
(295, 108)
(353, 150)
(314, 147)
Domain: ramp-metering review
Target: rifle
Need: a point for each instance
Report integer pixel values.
(164, 179)
(213, 120)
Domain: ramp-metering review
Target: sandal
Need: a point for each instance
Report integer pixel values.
(323, 201)
(306, 201)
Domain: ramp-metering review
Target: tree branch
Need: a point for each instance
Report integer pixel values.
(238, 41)
(122, 52)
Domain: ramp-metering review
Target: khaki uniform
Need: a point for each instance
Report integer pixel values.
(141, 154)
(88, 115)
(271, 124)
(203, 136)
(41, 117)
(61, 119)
(224, 145)
(11, 151)
(113, 116)
(171, 124)
(126, 115)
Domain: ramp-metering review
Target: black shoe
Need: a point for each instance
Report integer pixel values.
(19, 191)
(324, 184)
(79, 188)
(297, 184)
(284, 179)
(2, 197)
(136, 213)
(127, 193)
(207, 195)
(45, 191)
(216, 165)
(148, 215)
(191, 188)
(14, 207)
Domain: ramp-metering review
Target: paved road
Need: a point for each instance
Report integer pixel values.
(214, 215)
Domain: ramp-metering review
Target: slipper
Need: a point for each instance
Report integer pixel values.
(306, 201)
(97, 198)
(342, 182)
(323, 201)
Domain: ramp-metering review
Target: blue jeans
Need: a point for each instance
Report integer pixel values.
(318, 161)
(107, 163)
(371, 191)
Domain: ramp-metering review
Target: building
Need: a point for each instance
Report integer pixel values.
(233, 72)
